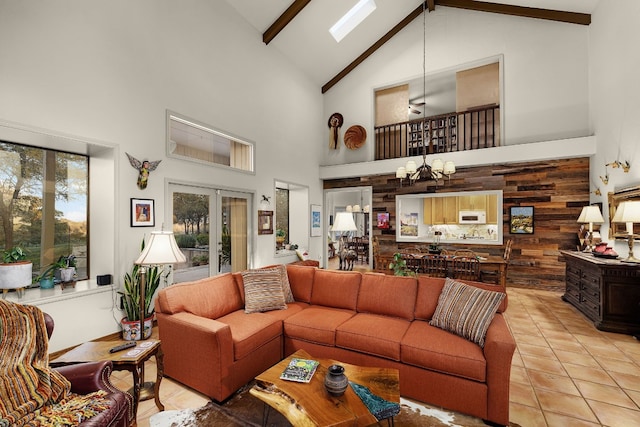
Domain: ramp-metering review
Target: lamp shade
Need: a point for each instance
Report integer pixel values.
(449, 167)
(411, 167)
(591, 214)
(344, 222)
(161, 249)
(401, 172)
(627, 212)
(437, 165)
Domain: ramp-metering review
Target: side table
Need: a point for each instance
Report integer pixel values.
(131, 360)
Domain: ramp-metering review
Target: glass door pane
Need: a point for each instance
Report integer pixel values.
(233, 245)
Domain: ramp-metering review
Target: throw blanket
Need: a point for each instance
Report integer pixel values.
(27, 383)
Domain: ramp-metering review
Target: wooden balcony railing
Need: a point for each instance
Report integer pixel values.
(469, 130)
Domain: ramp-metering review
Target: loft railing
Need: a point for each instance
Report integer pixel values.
(469, 130)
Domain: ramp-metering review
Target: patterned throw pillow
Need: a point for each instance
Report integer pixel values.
(465, 310)
(263, 290)
(286, 286)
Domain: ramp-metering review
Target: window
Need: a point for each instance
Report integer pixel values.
(44, 204)
(189, 140)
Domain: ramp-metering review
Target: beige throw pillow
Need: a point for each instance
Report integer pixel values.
(286, 286)
(465, 310)
(263, 290)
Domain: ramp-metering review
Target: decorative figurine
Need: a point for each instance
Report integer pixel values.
(335, 122)
(143, 168)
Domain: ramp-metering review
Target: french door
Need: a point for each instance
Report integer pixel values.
(212, 228)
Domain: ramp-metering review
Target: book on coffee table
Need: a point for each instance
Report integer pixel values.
(300, 370)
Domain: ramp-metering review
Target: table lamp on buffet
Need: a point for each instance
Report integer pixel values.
(162, 249)
(628, 212)
(591, 215)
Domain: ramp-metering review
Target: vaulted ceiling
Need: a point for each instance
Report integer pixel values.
(299, 29)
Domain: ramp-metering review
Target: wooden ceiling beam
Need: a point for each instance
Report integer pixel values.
(283, 20)
(525, 12)
(392, 32)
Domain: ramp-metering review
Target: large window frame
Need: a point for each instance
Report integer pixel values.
(45, 204)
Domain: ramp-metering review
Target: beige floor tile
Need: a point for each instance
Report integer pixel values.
(635, 396)
(519, 375)
(516, 360)
(526, 416)
(595, 339)
(568, 343)
(547, 381)
(560, 420)
(546, 364)
(584, 358)
(626, 381)
(595, 375)
(605, 393)
(573, 406)
(529, 339)
(536, 350)
(612, 352)
(615, 416)
(523, 394)
(616, 365)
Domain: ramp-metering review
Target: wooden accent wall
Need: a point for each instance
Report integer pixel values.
(557, 189)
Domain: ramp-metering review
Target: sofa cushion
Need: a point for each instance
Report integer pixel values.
(284, 278)
(373, 334)
(251, 331)
(263, 290)
(389, 295)
(430, 288)
(210, 297)
(316, 324)
(334, 288)
(432, 348)
(301, 281)
(466, 310)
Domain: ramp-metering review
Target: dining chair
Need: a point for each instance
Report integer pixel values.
(465, 252)
(434, 265)
(492, 276)
(414, 262)
(466, 268)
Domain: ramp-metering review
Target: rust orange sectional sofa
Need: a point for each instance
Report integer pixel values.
(371, 319)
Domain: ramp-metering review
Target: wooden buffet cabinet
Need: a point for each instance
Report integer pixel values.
(606, 291)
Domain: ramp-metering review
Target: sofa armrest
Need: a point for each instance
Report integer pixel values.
(186, 340)
(498, 352)
(88, 377)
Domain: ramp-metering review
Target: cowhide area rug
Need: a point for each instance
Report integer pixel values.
(244, 410)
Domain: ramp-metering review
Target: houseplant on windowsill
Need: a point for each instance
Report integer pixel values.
(131, 300)
(15, 271)
(63, 269)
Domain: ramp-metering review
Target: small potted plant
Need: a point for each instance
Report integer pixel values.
(280, 237)
(15, 270)
(63, 269)
(399, 266)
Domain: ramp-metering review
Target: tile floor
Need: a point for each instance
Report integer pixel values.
(564, 372)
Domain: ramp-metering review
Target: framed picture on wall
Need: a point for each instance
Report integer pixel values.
(316, 221)
(143, 213)
(521, 220)
(383, 220)
(265, 222)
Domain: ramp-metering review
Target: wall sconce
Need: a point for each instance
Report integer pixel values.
(590, 214)
(265, 203)
(605, 179)
(434, 172)
(618, 164)
(628, 212)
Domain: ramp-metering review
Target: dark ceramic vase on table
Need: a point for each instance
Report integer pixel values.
(336, 381)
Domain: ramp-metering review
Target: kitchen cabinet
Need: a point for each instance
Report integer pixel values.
(444, 210)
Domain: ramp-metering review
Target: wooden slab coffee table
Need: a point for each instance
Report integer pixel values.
(309, 404)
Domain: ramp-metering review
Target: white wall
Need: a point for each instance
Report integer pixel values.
(107, 71)
(614, 99)
(545, 74)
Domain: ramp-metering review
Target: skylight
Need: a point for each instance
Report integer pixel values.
(352, 19)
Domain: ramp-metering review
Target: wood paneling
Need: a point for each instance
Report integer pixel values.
(557, 189)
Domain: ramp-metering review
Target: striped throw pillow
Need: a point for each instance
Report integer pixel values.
(465, 310)
(263, 290)
(286, 286)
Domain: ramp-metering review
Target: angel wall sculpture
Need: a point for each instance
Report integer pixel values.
(144, 168)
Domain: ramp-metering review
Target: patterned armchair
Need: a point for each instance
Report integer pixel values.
(33, 393)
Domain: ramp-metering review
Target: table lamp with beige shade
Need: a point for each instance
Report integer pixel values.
(591, 215)
(628, 212)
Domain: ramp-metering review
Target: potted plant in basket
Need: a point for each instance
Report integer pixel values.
(15, 270)
(131, 300)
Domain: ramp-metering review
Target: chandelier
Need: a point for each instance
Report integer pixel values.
(438, 168)
(435, 171)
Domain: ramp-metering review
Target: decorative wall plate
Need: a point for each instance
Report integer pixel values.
(355, 137)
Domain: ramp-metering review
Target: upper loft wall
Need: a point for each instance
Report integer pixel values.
(545, 74)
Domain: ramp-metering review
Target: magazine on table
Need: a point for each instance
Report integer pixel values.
(300, 370)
